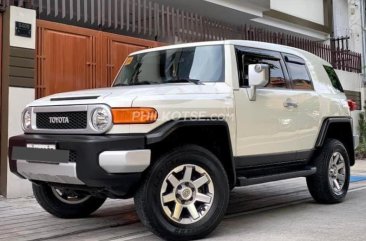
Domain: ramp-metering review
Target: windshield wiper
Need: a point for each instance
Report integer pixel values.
(179, 80)
(120, 84)
(137, 83)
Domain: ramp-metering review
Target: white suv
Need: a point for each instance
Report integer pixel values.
(181, 126)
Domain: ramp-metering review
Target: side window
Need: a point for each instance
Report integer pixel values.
(277, 78)
(298, 73)
(333, 78)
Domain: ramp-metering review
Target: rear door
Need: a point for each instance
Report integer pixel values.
(307, 119)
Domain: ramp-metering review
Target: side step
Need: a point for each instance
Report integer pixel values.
(244, 181)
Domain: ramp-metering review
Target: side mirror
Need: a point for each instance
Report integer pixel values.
(258, 76)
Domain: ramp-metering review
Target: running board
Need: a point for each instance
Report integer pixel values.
(244, 181)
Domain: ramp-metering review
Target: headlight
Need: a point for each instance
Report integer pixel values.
(101, 119)
(26, 119)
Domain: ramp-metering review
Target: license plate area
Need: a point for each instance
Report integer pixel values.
(46, 153)
(42, 146)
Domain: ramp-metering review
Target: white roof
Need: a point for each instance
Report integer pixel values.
(245, 43)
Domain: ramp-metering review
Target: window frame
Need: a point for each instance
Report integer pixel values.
(294, 59)
(257, 51)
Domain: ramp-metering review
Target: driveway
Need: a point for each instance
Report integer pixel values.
(280, 210)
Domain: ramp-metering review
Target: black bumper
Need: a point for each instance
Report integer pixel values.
(84, 150)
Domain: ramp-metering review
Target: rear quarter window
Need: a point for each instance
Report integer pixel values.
(333, 78)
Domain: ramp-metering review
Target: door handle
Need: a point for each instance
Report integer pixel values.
(289, 103)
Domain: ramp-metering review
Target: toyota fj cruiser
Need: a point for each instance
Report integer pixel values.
(181, 126)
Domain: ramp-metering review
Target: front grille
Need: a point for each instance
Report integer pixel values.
(75, 120)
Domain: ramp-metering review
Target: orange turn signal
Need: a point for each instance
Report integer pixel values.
(134, 115)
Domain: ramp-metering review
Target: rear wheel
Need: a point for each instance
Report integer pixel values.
(66, 203)
(330, 183)
(184, 195)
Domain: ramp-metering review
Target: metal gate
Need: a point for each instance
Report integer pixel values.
(73, 58)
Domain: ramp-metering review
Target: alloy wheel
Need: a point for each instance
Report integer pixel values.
(337, 172)
(187, 194)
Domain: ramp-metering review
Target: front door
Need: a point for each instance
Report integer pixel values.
(266, 125)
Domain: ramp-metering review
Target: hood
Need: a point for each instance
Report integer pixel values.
(124, 95)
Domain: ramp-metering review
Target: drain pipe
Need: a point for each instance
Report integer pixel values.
(363, 57)
(363, 27)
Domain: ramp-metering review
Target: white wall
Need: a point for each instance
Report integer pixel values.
(18, 99)
(353, 82)
(311, 10)
(340, 18)
(349, 80)
(347, 22)
(354, 14)
(26, 16)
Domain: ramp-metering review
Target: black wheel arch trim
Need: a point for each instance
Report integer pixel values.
(325, 126)
(324, 130)
(162, 132)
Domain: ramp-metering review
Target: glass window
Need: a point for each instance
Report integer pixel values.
(333, 78)
(299, 74)
(277, 78)
(193, 64)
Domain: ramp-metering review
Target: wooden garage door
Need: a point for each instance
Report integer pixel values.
(73, 58)
(117, 48)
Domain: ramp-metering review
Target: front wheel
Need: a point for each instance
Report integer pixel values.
(330, 183)
(64, 203)
(184, 195)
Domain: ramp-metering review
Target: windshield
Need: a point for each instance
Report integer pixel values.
(194, 64)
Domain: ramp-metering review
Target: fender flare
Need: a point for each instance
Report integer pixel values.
(160, 133)
(325, 126)
(324, 130)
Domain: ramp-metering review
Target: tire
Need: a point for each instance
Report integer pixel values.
(332, 163)
(61, 207)
(158, 215)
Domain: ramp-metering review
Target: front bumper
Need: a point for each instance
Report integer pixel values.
(111, 163)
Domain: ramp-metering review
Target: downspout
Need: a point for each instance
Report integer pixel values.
(363, 28)
(363, 56)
